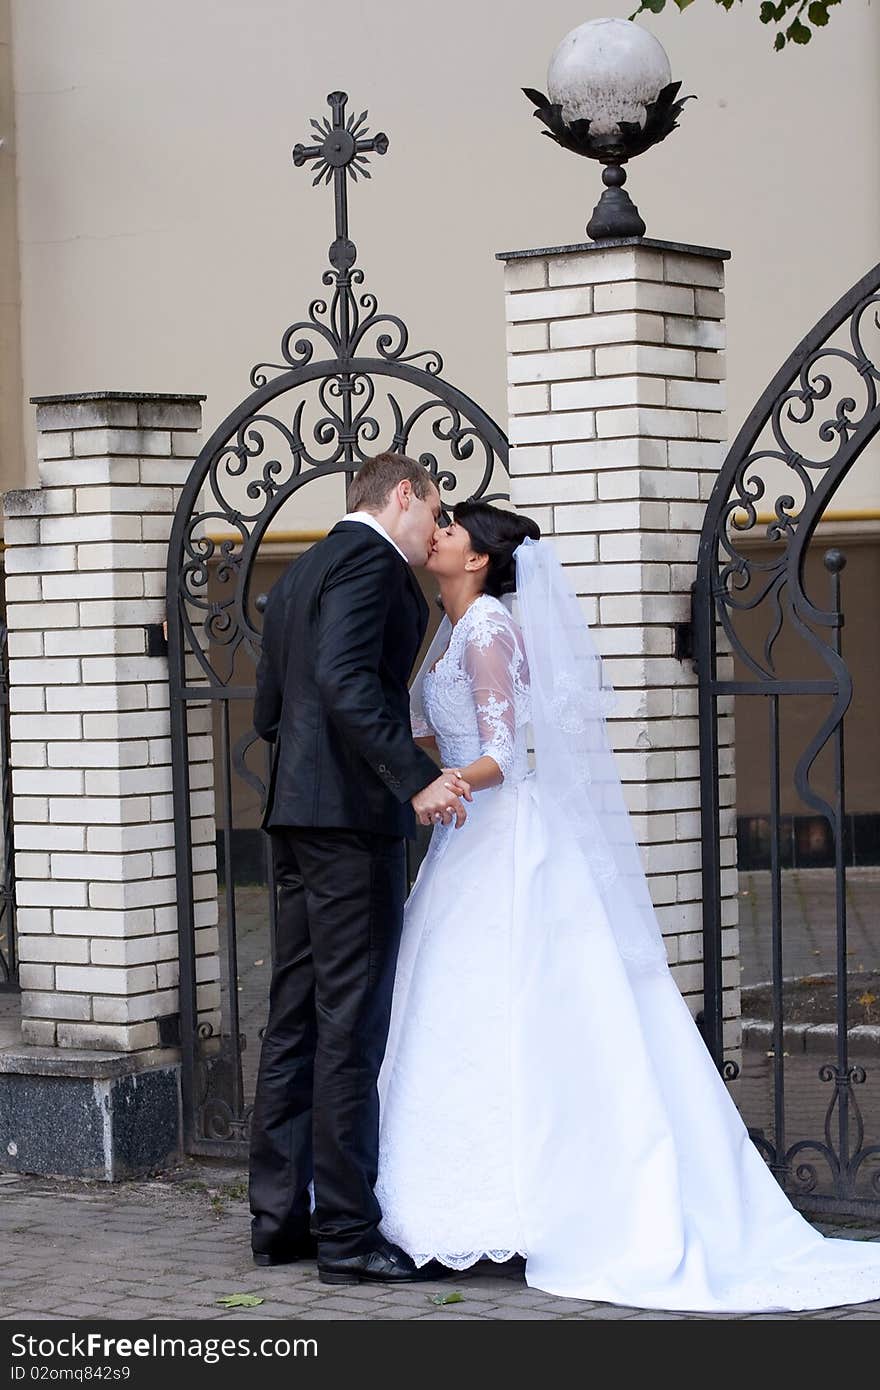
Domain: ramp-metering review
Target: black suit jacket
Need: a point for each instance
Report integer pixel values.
(342, 629)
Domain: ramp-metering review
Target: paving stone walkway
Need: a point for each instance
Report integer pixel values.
(170, 1247)
(809, 922)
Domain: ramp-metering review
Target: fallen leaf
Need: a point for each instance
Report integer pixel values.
(240, 1300)
(867, 999)
(441, 1298)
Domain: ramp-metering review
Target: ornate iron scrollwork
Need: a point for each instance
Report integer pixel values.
(842, 1166)
(815, 418)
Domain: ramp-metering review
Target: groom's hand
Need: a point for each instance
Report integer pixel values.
(438, 803)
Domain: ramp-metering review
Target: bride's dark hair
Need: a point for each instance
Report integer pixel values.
(496, 533)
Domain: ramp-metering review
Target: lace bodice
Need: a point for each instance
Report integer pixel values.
(476, 698)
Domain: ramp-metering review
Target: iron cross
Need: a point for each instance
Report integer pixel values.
(342, 152)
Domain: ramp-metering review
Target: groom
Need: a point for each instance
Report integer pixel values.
(341, 632)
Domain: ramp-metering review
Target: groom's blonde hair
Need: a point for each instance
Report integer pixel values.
(377, 477)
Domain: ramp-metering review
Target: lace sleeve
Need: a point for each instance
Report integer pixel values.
(492, 657)
(419, 723)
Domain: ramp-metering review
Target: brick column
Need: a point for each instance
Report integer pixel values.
(91, 754)
(616, 400)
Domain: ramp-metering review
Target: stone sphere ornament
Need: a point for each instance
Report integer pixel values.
(607, 71)
(611, 97)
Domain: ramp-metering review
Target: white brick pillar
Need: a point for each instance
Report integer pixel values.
(615, 369)
(91, 754)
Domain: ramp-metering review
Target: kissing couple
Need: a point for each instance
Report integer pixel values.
(499, 1064)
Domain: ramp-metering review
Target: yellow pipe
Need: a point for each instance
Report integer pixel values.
(845, 514)
(274, 537)
(764, 518)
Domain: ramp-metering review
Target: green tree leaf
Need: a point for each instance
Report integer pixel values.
(441, 1298)
(775, 12)
(240, 1300)
(798, 33)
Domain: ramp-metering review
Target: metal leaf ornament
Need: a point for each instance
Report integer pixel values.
(615, 215)
(631, 138)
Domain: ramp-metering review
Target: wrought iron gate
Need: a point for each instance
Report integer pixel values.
(346, 387)
(816, 417)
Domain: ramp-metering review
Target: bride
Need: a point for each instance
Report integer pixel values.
(545, 1091)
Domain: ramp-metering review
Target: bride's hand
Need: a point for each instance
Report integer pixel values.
(458, 784)
(438, 803)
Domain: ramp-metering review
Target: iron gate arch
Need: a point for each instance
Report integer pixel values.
(242, 480)
(816, 417)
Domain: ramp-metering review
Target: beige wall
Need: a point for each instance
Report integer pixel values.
(12, 466)
(167, 240)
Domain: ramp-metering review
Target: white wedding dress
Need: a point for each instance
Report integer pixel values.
(536, 1097)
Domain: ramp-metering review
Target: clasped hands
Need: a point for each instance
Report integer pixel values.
(440, 802)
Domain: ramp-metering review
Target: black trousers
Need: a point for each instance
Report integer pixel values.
(316, 1114)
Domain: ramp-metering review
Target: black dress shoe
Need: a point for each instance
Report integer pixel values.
(305, 1249)
(385, 1265)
